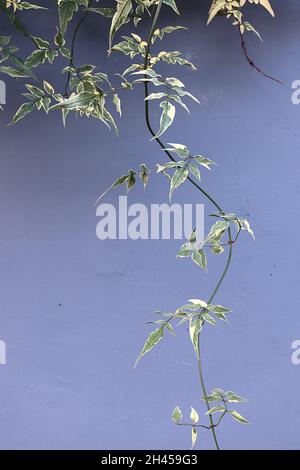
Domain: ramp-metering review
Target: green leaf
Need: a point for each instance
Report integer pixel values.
(193, 237)
(124, 7)
(184, 251)
(166, 118)
(64, 113)
(207, 317)
(41, 43)
(267, 5)
(36, 58)
(178, 178)
(172, 4)
(194, 416)
(238, 417)
(234, 398)
(218, 392)
(51, 54)
(194, 437)
(177, 415)
(46, 103)
(86, 69)
(130, 182)
(167, 30)
(210, 398)
(251, 28)
(169, 328)
(221, 316)
(151, 341)
(29, 6)
(66, 10)
(120, 180)
(148, 72)
(107, 12)
(216, 6)
(24, 109)
(155, 96)
(217, 231)
(4, 40)
(174, 57)
(217, 249)
(182, 92)
(217, 309)
(13, 72)
(35, 91)
(246, 226)
(194, 329)
(198, 303)
(174, 82)
(168, 165)
(48, 87)
(144, 174)
(215, 409)
(59, 40)
(22, 67)
(117, 103)
(195, 170)
(181, 150)
(123, 179)
(179, 101)
(65, 52)
(75, 101)
(199, 257)
(203, 161)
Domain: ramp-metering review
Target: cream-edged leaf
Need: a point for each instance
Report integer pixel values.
(167, 117)
(153, 338)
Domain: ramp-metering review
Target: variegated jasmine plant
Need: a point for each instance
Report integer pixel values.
(90, 92)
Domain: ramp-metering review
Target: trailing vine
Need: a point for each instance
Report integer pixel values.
(90, 92)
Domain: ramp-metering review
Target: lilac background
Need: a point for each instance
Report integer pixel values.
(69, 380)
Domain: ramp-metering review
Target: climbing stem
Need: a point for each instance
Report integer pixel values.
(212, 425)
(216, 205)
(71, 64)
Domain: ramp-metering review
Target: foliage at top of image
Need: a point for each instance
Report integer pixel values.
(91, 92)
(88, 91)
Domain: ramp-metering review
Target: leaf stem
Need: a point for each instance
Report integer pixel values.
(205, 396)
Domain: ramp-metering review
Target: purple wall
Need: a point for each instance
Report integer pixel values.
(73, 308)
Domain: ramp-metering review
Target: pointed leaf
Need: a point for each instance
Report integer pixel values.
(172, 4)
(194, 416)
(184, 251)
(194, 329)
(177, 415)
(215, 409)
(178, 178)
(238, 417)
(24, 109)
(199, 257)
(194, 437)
(120, 17)
(167, 117)
(154, 338)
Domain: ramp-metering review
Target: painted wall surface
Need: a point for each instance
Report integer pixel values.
(74, 308)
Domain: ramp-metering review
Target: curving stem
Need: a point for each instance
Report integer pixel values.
(215, 204)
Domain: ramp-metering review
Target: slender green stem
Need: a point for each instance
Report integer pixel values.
(205, 398)
(225, 269)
